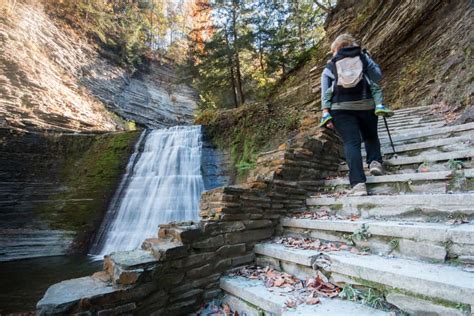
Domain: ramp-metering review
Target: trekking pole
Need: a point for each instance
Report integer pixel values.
(389, 136)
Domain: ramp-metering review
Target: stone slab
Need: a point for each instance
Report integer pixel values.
(399, 205)
(432, 280)
(462, 154)
(434, 232)
(132, 259)
(253, 292)
(430, 143)
(299, 256)
(61, 296)
(421, 250)
(403, 177)
(420, 307)
(425, 132)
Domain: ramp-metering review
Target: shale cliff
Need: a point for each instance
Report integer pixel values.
(52, 78)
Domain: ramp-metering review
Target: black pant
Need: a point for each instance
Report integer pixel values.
(354, 126)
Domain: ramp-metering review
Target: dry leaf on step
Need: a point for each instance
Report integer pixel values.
(279, 282)
(290, 303)
(312, 300)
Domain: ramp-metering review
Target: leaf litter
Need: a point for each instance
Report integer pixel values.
(325, 215)
(313, 244)
(296, 291)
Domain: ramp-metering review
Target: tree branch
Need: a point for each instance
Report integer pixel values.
(322, 7)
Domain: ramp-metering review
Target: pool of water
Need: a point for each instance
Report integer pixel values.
(23, 282)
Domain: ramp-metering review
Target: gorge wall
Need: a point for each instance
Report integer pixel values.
(54, 189)
(52, 78)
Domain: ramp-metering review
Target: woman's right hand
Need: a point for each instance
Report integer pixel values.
(329, 124)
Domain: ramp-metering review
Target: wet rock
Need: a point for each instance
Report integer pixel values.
(211, 242)
(248, 236)
(200, 272)
(192, 260)
(127, 267)
(61, 297)
(223, 265)
(123, 309)
(230, 250)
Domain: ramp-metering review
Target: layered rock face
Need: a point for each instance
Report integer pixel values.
(51, 78)
(54, 189)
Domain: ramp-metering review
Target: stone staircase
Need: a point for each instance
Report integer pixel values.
(413, 235)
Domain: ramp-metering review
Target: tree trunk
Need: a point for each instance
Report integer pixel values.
(236, 53)
(231, 71)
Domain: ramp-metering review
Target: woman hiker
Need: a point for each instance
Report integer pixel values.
(351, 101)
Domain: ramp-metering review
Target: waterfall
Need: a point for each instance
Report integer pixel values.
(163, 183)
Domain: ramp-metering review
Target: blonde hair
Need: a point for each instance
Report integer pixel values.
(342, 41)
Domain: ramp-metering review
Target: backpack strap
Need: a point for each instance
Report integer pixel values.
(331, 66)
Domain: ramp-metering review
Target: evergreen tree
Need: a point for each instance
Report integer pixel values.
(258, 41)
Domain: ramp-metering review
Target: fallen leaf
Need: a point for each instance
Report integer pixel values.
(290, 303)
(279, 282)
(312, 301)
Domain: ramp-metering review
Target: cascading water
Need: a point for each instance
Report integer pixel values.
(163, 183)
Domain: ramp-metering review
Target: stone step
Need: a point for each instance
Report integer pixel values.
(429, 241)
(397, 120)
(253, 298)
(464, 139)
(414, 109)
(407, 128)
(413, 118)
(419, 182)
(401, 120)
(438, 283)
(428, 158)
(419, 111)
(413, 136)
(418, 207)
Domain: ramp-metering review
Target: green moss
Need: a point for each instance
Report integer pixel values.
(366, 206)
(394, 244)
(89, 170)
(404, 186)
(248, 130)
(336, 207)
(386, 289)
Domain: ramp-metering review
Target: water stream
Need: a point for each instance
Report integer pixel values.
(163, 183)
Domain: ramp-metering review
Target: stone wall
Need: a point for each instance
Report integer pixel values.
(55, 188)
(179, 270)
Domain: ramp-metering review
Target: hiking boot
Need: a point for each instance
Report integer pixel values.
(376, 168)
(381, 110)
(360, 189)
